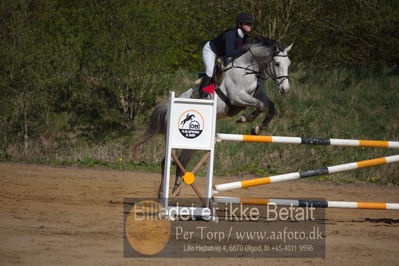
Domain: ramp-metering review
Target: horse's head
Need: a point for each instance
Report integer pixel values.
(278, 69)
(273, 58)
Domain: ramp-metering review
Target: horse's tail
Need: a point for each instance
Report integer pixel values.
(157, 125)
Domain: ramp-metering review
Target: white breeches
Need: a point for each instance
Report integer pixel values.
(209, 58)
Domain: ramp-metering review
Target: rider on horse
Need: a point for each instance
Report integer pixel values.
(233, 42)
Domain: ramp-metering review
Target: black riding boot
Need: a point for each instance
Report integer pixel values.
(206, 87)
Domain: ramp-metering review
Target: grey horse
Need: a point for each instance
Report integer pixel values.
(241, 87)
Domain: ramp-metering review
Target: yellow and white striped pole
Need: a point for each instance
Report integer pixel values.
(304, 174)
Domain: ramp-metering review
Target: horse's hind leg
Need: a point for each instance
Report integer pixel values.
(140, 141)
(161, 186)
(184, 158)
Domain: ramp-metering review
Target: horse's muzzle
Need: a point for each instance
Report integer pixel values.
(283, 90)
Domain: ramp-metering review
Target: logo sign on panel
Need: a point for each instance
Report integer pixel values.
(191, 124)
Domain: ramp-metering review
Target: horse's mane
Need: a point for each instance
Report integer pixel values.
(264, 49)
(269, 43)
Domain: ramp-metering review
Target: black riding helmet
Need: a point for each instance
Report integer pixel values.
(244, 18)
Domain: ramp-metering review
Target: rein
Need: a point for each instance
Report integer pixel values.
(269, 70)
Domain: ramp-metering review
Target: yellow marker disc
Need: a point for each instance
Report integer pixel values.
(188, 178)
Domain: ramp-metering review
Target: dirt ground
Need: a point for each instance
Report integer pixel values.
(71, 216)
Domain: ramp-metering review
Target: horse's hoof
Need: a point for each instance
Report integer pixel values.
(256, 131)
(241, 119)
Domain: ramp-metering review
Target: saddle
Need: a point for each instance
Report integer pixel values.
(217, 78)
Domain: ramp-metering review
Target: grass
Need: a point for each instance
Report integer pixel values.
(336, 103)
(351, 103)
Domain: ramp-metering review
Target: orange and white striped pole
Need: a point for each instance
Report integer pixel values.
(308, 141)
(304, 174)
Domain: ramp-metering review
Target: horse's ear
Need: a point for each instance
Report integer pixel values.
(276, 48)
(288, 48)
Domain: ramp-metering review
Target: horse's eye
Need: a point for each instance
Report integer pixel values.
(277, 64)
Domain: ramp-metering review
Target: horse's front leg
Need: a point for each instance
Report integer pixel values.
(249, 118)
(243, 99)
(248, 100)
(261, 95)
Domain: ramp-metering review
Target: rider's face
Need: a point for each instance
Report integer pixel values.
(247, 27)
